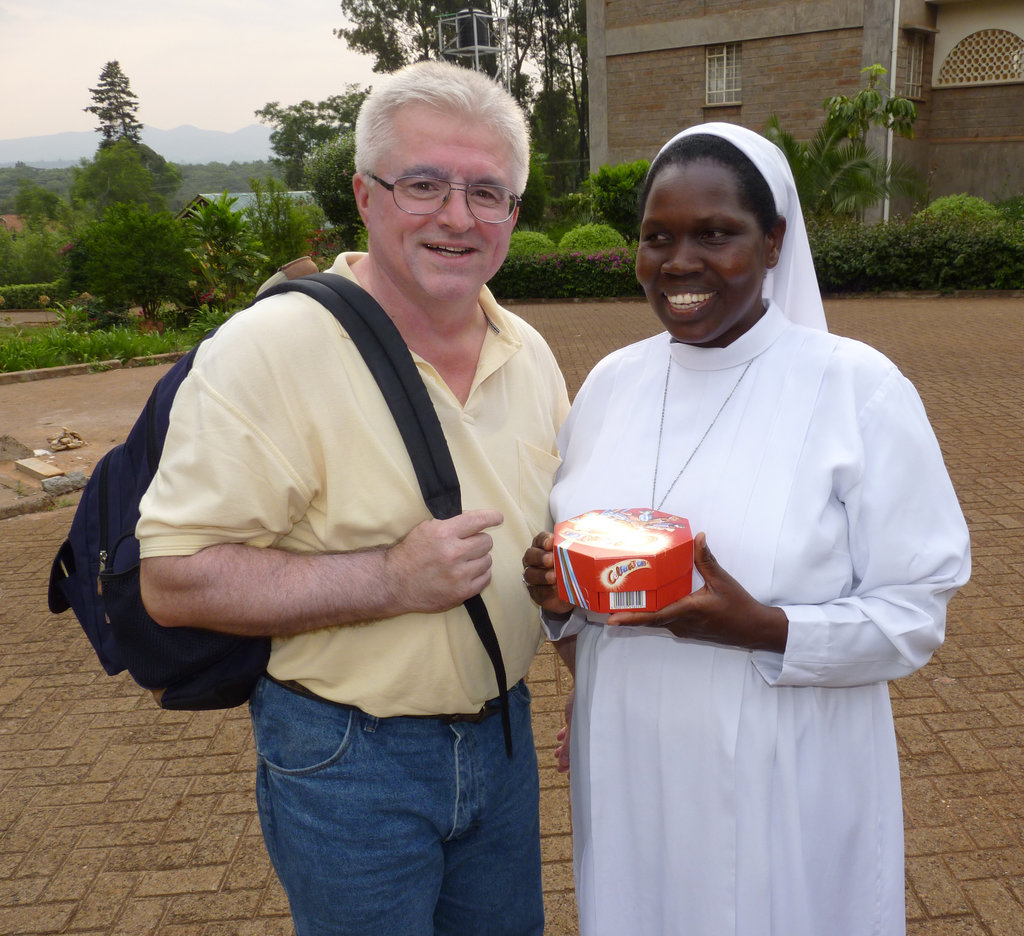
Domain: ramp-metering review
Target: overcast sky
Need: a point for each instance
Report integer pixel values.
(209, 63)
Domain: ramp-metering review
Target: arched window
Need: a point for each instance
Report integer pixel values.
(984, 56)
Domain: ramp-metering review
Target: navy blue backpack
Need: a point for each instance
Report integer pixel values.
(96, 570)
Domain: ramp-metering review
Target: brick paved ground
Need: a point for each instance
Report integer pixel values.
(119, 818)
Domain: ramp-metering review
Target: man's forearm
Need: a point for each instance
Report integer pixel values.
(255, 592)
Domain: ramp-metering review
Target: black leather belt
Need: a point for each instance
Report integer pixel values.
(489, 708)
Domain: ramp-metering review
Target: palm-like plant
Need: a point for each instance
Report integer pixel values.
(842, 176)
(223, 253)
(836, 172)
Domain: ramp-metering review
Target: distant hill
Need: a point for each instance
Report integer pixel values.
(185, 144)
(215, 176)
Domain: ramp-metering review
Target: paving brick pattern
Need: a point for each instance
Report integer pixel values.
(119, 819)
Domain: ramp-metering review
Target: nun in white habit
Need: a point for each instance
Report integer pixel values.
(733, 758)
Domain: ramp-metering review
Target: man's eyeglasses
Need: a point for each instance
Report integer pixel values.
(422, 195)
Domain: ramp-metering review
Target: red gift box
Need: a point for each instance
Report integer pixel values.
(630, 559)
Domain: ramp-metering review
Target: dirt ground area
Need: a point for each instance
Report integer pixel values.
(99, 407)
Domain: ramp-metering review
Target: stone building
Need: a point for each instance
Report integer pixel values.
(657, 66)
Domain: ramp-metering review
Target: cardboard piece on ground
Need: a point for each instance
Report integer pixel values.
(38, 469)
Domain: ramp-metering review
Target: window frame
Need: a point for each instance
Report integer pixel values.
(913, 79)
(723, 74)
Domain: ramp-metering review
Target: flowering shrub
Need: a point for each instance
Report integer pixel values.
(327, 243)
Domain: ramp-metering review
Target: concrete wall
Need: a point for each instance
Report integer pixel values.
(653, 95)
(634, 45)
(976, 143)
(647, 78)
(957, 20)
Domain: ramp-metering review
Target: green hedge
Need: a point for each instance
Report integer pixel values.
(919, 253)
(906, 254)
(28, 295)
(570, 275)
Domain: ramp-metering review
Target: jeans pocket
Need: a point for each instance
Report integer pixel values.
(519, 696)
(295, 735)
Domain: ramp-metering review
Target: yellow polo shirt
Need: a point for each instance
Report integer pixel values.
(280, 438)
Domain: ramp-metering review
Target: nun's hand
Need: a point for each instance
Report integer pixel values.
(721, 612)
(539, 576)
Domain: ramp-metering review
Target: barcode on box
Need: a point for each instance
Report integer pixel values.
(627, 600)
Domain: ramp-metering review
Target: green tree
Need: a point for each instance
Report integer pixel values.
(167, 176)
(536, 195)
(841, 177)
(546, 61)
(13, 177)
(32, 255)
(124, 172)
(300, 128)
(855, 116)
(39, 204)
(329, 173)
(115, 105)
(615, 191)
(282, 226)
(223, 251)
(132, 256)
(560, 112)
(837, 172)
(116, 175)
(394, 32)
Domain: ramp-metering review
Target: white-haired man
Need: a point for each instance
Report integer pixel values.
(286, 506)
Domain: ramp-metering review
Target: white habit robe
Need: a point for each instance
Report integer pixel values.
(718, 791)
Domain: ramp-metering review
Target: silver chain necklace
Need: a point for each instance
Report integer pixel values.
(661, 429)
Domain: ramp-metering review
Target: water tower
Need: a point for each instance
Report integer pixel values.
(474, 34)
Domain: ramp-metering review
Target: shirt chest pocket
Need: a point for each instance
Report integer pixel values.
(536, 476)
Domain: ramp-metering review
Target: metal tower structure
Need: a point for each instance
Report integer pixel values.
(474, 33)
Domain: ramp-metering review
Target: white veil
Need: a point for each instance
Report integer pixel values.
(792, 285)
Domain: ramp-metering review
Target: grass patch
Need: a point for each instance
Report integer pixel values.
(56, 346)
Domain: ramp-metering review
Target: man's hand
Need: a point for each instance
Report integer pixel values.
(438, 564)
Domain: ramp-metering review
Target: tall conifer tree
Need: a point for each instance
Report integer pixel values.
(115, 106)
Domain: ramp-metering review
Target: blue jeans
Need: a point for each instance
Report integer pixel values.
(404, 826)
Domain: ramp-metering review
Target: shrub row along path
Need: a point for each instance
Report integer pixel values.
(118, 818)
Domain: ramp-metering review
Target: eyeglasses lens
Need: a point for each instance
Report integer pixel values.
(422, 195)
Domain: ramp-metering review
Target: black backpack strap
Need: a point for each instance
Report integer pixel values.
(388, 358)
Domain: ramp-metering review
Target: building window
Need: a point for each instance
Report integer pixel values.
(985, 56)
(915, 65)
(723, 73)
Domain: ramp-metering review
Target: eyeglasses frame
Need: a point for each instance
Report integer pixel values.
(452, 187)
